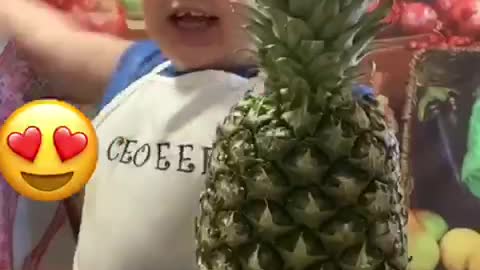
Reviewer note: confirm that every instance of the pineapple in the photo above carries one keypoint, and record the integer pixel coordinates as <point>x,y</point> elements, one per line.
<point>305,176</point>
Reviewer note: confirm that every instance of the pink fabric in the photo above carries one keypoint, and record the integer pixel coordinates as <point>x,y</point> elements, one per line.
<point>8,203</point>
<point>33,260</point>
<point>15,78</point>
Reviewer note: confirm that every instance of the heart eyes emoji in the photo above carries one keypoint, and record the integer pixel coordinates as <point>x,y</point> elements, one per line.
<point>27,144</point>
<point>67,144</point>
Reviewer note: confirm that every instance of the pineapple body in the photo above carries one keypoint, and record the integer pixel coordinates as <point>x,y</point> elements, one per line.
<point>306,176</point>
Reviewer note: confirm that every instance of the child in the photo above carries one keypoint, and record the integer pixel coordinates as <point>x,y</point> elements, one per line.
<point>154,133</point>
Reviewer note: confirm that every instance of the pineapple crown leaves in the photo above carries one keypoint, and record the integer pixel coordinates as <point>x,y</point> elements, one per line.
<point>310,51</point>
<point>321,39</point>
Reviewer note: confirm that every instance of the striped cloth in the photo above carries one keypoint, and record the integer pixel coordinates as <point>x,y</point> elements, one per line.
<point>15,77</point>
<point>28,230</point>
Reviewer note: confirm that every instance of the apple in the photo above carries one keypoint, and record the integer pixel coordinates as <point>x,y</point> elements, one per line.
<point>433,223</point>
<point>457,246</point>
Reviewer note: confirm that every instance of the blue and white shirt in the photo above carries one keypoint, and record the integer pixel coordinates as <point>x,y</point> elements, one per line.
<point>155,130</point>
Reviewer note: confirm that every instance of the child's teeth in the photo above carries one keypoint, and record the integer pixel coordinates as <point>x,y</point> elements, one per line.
<point>196,13</point>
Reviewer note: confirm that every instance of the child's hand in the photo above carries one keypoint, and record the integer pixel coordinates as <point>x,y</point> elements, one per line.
<point>6,12</point>
<point>16,16</point>
<point>77,63</point>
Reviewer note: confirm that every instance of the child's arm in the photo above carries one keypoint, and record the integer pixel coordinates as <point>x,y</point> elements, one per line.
<point>78,64</point>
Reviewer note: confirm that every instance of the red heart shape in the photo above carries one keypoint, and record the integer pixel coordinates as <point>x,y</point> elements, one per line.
<point>69,145</point>
<point>27,144</point>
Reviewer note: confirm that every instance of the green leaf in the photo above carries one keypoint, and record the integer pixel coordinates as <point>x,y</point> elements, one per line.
<point>288,67</point>
<point>258,15</point>
<point>320,99</point>
<point>278,4</point>
<point>301,8</point>
<point>262,111</point>
<point>354,55</point>
<point>346,19</point>
<point>277,51</point>
<point>296,92</point>
<point>345,40</point>
<point>334,71</point>
<point>323,60</point>
<point>346,3</point>
<point>374,18</point>
<point>297,30</point>
<point>310,49</point>
<point>317,18</point>
<point>280,20</point>
<point>333,83</point>
<point>431,95</point>
<point>329,12</point>
<point>261,33</point>
<point>302,121</point>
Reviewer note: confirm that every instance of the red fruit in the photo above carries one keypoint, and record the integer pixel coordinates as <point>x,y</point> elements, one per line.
<point>435,39</point>
<point>68,5</point>
<point>89,5</point>
<point>113,22</point>
<point>395,13</point>
<point>454,41</point>
<point>418,18</point>
<point>443,7</point>
<point>466,15</point>
<point>60,4</point>
<point>413,45</point>
<point>443,45</point>
<point>116,23</point>
<point>423,45</point>
<point>463,10</point>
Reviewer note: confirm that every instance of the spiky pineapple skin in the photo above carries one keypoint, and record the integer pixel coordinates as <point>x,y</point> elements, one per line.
<point>303,179</point>
<point>275,202</point>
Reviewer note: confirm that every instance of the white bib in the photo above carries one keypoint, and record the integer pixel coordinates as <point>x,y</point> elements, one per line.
<point>155,138</point>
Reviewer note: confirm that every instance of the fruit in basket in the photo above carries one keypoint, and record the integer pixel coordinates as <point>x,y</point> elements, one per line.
<point>418,18</point>
<point>134,9</point>
<point>466,16</point>
<point>434,224</point>
<point>305,176</point>
<point>474,261</point>
<point>422,246</point>
<point>458,246</point>
<point>443,8</point>
<point>424,252</point>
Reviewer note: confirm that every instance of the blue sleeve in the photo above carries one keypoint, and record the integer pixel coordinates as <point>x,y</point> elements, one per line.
<point>136,62</point>
<point>362,91</point>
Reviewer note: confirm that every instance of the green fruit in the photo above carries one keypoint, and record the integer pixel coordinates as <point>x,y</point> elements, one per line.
<point>134,9</point>
<point>424,250</point>
<point>434,224</point>
<point>305,177</point>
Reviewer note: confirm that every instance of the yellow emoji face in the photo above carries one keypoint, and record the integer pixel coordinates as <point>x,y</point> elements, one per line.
<point>48,150</point>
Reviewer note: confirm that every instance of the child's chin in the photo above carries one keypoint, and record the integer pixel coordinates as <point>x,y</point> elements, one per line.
<point>198,60</point>
<point>195,37</point>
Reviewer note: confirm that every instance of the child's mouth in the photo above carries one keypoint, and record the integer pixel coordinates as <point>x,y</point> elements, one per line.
<point>193,20</point>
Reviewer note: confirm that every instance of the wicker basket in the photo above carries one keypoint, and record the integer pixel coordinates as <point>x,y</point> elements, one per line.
<point>409,116</point>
